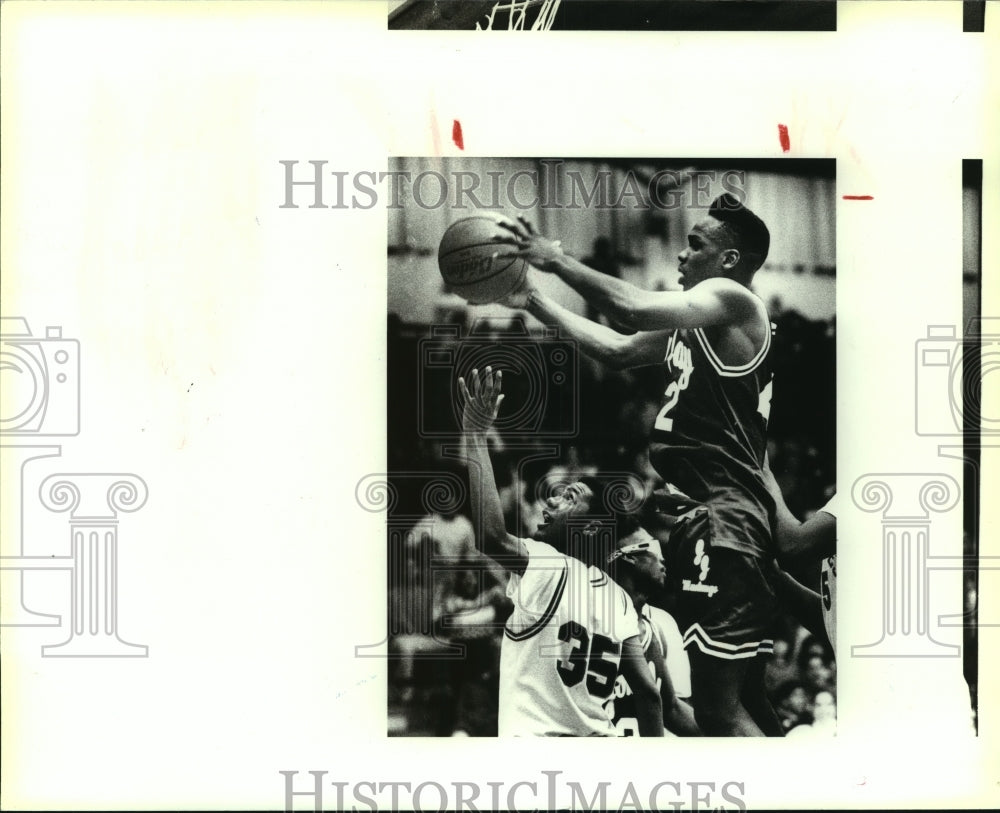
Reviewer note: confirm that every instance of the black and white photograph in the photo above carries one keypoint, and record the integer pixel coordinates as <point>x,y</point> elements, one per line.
<point>613,15</point>
<point>590,296</point>
<point>392,414</point>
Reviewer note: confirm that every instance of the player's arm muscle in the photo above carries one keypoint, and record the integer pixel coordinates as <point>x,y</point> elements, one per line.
<point>678,717</point>
<point>813,539</point>
<point>713,302</point>
<point>648,705</point>
<point>805,604</point>
<point>487,512</point>
<point>599,342</point>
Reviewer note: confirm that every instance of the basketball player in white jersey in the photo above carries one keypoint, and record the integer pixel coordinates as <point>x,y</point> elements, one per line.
<point>637,565</point>
<point>572,628</point>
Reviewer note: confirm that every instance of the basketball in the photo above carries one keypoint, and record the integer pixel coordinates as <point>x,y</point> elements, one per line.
<point>475,265</point>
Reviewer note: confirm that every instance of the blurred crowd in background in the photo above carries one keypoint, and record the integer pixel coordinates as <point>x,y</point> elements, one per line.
<point>447,604</point>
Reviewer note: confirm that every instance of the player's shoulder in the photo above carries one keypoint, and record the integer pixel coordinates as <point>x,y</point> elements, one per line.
<point>546,574</point>
<point>745,312</point>
<point>662,622</point>
<point>659,616</point>
<point>732,293</point>
<point>621,596</point>
<point>600,581</point>
<point>740,344</point>
<point>621,617</point>
<point>542,556</point>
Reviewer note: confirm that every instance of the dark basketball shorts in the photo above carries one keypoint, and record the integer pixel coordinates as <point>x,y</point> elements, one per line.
<point>722,599</point>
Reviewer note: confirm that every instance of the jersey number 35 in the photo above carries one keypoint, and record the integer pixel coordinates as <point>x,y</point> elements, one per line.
<point>595,658</point>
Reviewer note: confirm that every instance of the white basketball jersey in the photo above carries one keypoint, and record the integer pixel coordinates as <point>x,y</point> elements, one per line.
<point>678,665</point>
<point>828,583</point>
<point>562,647</point>
<point>658,634</point>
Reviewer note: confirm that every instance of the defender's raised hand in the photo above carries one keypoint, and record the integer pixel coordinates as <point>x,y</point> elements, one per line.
<point>480,400</point>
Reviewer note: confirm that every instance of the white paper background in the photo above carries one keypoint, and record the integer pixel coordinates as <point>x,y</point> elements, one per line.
<point>233,356</point>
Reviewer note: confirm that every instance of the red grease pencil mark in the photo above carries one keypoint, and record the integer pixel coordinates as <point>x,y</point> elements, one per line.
<point>858,197</point>
<point>786,145</point>
<point>456,134</point>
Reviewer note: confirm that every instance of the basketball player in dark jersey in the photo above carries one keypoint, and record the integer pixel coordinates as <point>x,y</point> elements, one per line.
<point>712,339</point>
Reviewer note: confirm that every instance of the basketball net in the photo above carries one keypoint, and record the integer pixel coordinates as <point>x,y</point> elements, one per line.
<point>516,12</point>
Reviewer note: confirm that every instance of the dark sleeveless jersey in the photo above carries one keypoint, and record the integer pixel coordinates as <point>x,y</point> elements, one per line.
<point>709,437</point>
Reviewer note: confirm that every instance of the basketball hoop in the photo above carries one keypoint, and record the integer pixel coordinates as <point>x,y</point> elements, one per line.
<point>517,15</point>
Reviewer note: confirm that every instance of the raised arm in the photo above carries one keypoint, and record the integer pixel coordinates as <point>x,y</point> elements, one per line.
<point>481,402</point>
<point>717,301</point>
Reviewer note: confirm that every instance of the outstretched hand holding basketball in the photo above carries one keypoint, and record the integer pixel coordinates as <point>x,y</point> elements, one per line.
<point>538,250</point>
<point>480,402</point>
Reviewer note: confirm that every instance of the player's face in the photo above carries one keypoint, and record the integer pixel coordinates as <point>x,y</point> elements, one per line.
<point>655,567</point>
<point>703,258</point>
<point>571,501</point>
<point>648,564</point>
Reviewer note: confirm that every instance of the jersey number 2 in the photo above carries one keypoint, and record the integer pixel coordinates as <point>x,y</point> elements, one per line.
<point>587,658</point>
<point>673,395</point>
